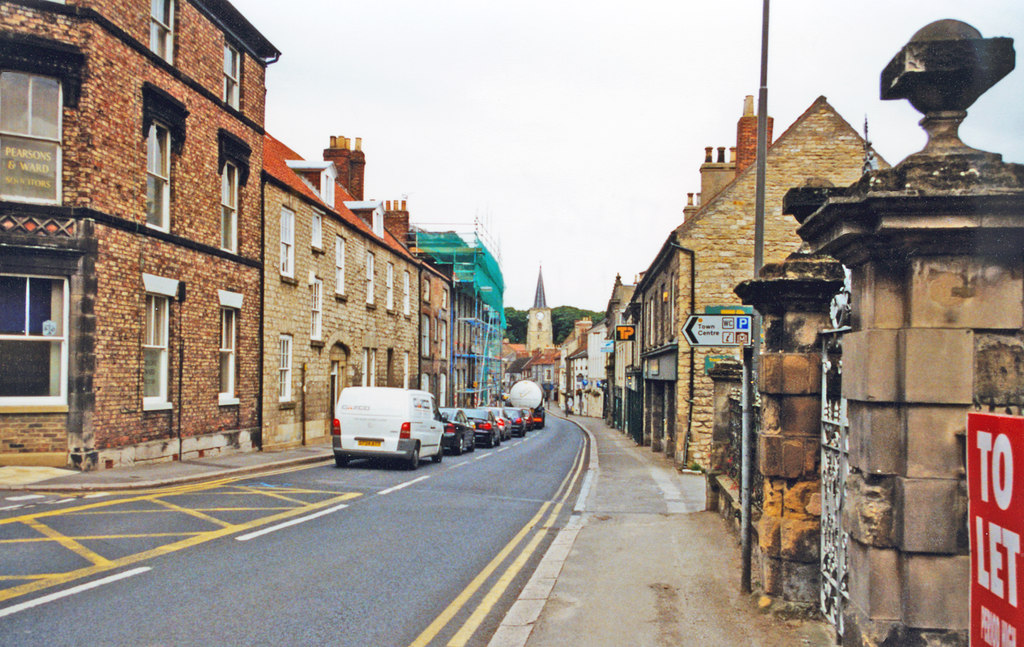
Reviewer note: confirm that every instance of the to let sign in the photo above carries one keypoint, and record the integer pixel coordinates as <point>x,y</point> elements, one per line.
<point>996,527</point>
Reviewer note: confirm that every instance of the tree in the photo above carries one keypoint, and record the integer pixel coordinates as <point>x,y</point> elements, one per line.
<point>563,319</point>
<point>515,322</point>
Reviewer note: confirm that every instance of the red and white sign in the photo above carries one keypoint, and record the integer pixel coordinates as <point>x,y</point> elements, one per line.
<point>996,528</point>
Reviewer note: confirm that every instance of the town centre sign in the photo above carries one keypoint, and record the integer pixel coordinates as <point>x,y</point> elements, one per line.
<point>718,330</point>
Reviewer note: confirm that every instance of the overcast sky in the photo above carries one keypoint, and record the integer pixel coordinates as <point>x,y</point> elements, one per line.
<point>575,129</point>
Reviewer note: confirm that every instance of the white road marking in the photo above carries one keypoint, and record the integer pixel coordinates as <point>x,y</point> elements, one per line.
<point>12,507</point>
<point>402,485</point>
<point>289,523</point>
<point>482,456</point>
<point>25,497</point>
<point>96,495</point>
<point>72,591</point>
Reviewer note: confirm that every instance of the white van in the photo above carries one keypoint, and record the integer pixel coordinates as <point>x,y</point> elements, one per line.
<point>383,422</point>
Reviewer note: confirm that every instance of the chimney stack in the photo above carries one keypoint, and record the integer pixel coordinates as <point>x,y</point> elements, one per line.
<point>351,163</point>
<point>396,220</point>
<point>746,135</point>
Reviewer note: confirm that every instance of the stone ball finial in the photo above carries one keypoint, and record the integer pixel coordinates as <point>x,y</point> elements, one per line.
<point>942,71</point>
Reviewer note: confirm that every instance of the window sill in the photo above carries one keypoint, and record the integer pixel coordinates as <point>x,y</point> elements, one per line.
<point>371,306</point>
<point>33,408</point>
<point>227,400</point>
<point>157,406</point>
<point>287,404</point>
<point>290,280</point>
<point>316,343</point>
<point>340,297</point>
<point>316,250</point>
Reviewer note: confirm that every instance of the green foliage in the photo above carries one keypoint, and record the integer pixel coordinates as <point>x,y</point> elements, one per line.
<point>562,320</point>
<point>515,320</point>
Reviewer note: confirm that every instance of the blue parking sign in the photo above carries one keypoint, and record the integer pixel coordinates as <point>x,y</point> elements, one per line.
<point>742,323</point>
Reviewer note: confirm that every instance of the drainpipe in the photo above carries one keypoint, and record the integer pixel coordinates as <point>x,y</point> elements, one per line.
<point>262,309</point>
<point>181,358</point>
<point>693,306</point>
<point>303,413</point>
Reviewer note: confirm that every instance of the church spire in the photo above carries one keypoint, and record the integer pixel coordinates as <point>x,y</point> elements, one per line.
<point>538,300</point>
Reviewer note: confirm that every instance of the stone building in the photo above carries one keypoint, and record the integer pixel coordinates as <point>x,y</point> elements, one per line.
<point>341,303</point>
<point>712,250</point>
<point>130,222</point>
<point>615,375</point>
<point>538,321</point>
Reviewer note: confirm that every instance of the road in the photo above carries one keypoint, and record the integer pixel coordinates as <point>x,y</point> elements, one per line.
<point>364,555</point>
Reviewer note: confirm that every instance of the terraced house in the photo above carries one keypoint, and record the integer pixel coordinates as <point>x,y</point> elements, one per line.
<point>340,292</point>
<point>131,138</point>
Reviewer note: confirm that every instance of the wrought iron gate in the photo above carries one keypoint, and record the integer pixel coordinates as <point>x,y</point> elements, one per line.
<point>835,448</point>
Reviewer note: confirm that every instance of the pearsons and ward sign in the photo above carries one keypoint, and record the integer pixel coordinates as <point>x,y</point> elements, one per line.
<point>28,169</point>
<point>996,526</point>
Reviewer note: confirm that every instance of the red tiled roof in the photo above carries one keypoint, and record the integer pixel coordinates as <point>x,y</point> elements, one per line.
<point>275,162</point>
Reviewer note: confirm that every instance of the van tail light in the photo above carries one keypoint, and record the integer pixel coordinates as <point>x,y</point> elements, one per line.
<point>449,428</point>
<point>406,431</point>
<point>336,428</point>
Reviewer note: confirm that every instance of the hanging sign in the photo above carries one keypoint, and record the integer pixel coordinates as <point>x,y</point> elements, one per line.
<point>996,526</point>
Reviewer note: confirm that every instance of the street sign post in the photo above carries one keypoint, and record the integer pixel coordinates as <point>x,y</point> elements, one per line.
<point>995,527</point>
<point>718,330</point>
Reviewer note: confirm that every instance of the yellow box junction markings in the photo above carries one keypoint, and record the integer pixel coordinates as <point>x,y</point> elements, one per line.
<point>99,564</point>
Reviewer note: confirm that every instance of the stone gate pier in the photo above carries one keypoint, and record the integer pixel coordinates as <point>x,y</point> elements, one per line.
<point>936,250</point>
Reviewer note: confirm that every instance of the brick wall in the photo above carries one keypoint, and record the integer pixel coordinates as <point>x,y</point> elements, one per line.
<point>104,164</point>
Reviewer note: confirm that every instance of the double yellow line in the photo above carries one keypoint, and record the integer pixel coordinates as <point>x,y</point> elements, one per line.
<point>551,509</point>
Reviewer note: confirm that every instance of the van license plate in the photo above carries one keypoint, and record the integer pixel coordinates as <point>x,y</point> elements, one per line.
<point>370,443</point>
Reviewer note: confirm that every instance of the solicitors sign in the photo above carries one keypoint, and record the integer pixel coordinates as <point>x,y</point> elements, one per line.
<point>996,493</point>
<point>28,168</point>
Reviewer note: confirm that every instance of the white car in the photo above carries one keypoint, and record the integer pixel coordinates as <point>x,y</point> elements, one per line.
<point>383,422</point>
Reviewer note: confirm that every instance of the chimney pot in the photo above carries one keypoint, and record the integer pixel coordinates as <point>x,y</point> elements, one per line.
<point>748,105</point>
<point>359,143</point>
<point>707,154</point>
<point>732,154</point>
<point>334,141</point>
<point>403,206</point>
<point>689,199</point>
<point>721,154</point>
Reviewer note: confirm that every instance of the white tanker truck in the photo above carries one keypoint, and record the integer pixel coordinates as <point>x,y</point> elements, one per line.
<point>526,393</point>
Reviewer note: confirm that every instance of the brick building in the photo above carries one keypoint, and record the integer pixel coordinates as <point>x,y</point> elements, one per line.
<point>130,223</point>
<point>340,303</point>
<point>704,259</point>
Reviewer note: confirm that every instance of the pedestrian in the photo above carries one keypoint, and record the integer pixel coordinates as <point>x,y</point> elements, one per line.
<point>568,406</point>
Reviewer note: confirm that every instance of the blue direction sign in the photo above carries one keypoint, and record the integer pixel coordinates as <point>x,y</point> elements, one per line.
<point>717,330</point>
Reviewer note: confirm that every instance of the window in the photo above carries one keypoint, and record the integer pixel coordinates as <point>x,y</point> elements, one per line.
<point>405,293</point>
<point>444,298</point>
<point>284,369</point>
<point>424,382</point>
<point>391,286</point>
<point>229,207</point>
<point>287,242</point>
<point>232,74</point>
<point>158,177</point>
<point>317,236</point>
<point>161,29</point>
<point>378,221</point>
<point>405,370</point>
<point>154,352</point>
<point>33,340</point>
<point>426,289</point>
<point>370,284</point>
<point>317,309</point>
<point>425,335</point>
<point>369,367</point>
<point>228,345</point>
<point>339,265</point>
<point>443,331</point>
<point>442,389</point>
<point>30,135</point>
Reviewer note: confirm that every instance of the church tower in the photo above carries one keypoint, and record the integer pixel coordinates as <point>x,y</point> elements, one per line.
<point>538,326</point>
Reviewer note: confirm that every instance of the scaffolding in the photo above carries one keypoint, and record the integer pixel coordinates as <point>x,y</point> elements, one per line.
<point>479,289</point>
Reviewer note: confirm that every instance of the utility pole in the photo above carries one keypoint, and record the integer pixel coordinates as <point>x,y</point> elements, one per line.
<point>752,360</point>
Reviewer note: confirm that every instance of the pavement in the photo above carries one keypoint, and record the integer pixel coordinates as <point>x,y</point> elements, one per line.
<point>639,563</point>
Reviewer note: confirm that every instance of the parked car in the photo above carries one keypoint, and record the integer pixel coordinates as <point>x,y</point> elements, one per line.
<point>384,422</point>
<point>459,432</point>
<point>527,418</point>
<point>504,421</point>
<point>485,425</point>
<point>517,421</point>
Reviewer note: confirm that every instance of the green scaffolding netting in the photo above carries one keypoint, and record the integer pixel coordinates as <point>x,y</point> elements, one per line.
<point>472,264</point>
